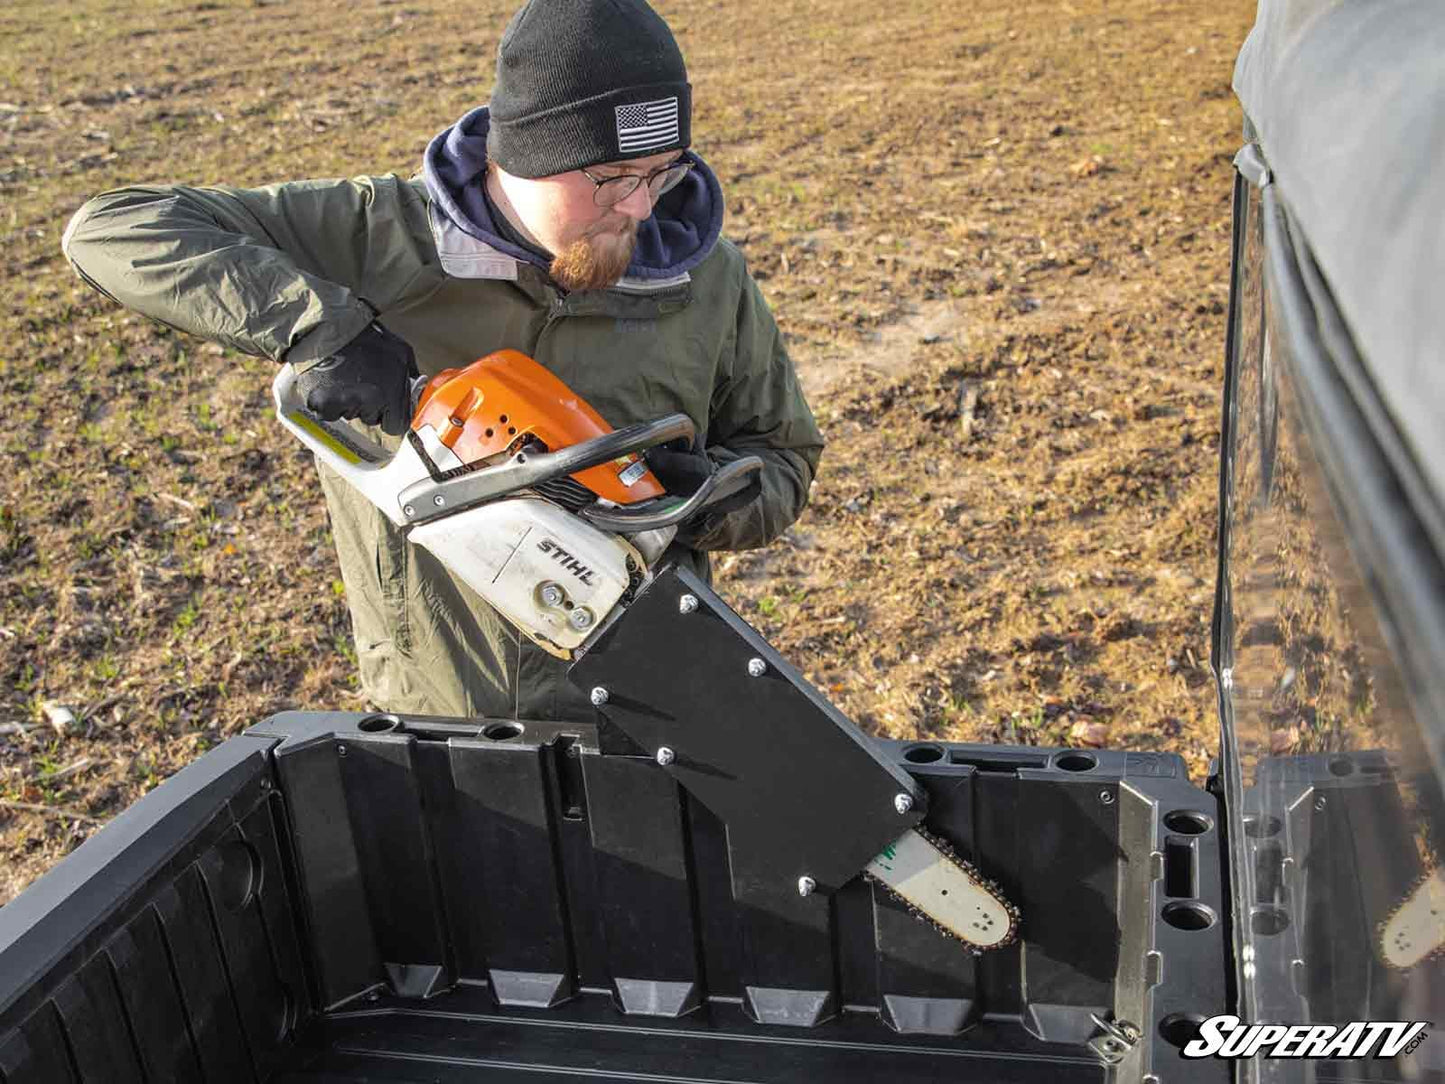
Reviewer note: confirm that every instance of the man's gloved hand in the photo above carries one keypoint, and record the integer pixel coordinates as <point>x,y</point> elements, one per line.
<point>681,467</point>
<point>368,379</point>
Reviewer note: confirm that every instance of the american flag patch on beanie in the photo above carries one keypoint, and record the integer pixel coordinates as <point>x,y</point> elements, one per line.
<point>646,126</point>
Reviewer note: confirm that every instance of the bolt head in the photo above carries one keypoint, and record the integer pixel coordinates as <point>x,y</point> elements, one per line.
<point>439,501</point>
<point>1106,797</point>
<point>409,511</point>
<point>687,604</point>
<point>757,668</point>
<point>665,756</point>
<point>806,885</point>
<point>580,618</point>
<point>599,696</point>
<point>341,750</point>
<point>903,802</point>
<point>551,595</point>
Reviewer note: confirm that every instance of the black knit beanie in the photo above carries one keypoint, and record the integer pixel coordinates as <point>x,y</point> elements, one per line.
<point>582,82</point>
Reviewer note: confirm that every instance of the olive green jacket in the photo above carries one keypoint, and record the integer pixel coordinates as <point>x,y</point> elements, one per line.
<point>294,271</point>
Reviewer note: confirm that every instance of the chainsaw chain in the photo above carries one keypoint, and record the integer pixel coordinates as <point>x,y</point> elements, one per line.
<point>989,886</point>
<point>635,577</point>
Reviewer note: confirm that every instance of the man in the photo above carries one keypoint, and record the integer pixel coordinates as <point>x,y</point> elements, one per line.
<point>568,221</point>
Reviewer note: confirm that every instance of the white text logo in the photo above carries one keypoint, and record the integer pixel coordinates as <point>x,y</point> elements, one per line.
<point>1227,1037</point>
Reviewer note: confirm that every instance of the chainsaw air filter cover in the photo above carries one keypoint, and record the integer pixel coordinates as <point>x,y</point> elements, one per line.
<point>505,399</point>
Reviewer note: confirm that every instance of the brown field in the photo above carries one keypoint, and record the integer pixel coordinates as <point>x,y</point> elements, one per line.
<point>997,237</point>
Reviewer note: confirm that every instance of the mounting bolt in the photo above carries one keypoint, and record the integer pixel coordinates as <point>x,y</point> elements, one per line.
<point>687,604</point>
<point>806,885</point>
<point>1320,803</point>
<point>757,668</point>
<point>552,595</point>
<point>599,696</point>
<point>903,802</point>
<point>1106,797</point>
<point>341,750</point>
<point>580,618</point>
<point>439,501</point>
<point>409,511</point>
<point>665,756</point>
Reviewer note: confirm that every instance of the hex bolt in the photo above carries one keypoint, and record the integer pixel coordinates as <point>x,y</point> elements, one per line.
<point>903,802</point>
<point>806,885</point>
<point>409,510</point>
<point>1106,797</point>
<point>665,756</point>
<point>439,501</point>
<point>552,595</point>
<point>757,668</point>
<point>599,696</point>
<point>687,604</point>
<point>580,618</point>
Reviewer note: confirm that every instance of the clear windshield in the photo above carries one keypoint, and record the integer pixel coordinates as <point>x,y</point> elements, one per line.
<point>1335,813</point>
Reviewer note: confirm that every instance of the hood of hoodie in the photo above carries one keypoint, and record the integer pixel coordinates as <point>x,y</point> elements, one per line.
<point>684,226</point>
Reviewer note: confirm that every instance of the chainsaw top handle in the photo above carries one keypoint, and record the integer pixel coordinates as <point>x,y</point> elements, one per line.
<point>429,499</point>
<point>416,497</point>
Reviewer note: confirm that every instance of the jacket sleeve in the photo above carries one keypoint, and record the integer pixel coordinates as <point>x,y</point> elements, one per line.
<point>269,271</point>
<point>760,410</point>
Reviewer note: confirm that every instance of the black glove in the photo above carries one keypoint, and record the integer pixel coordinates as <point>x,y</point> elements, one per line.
<point>681,468</point>
<point>368,379</point>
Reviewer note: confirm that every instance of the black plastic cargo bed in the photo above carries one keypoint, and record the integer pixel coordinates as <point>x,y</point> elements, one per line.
<point>358,898</point>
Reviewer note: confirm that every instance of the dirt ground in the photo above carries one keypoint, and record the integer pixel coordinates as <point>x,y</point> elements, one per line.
<point>996,236</point>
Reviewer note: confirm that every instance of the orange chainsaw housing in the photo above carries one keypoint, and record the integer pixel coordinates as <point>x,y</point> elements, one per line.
<point>485,408</point>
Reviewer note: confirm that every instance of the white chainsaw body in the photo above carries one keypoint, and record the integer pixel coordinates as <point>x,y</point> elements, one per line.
<point>510,552</point>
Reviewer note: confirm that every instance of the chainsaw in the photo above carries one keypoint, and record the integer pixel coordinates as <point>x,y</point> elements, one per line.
<point>532,499</point>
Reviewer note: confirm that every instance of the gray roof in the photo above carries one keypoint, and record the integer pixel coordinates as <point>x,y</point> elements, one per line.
<point>1348,100</point>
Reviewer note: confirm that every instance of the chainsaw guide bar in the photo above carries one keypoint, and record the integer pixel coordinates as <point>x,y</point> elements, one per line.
<point>1415,930</point>
<point>945,891</point>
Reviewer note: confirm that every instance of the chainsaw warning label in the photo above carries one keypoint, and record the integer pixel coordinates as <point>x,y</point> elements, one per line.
<point>632,474</point>
<point>1228,1037</point>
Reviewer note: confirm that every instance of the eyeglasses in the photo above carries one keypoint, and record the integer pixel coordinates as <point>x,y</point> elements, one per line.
<point>610,191</point>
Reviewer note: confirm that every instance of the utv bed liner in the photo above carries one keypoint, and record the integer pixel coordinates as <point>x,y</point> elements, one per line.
<point>335,897</point>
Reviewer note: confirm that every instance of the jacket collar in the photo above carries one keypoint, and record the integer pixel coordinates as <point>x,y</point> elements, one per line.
<point>465,256</point>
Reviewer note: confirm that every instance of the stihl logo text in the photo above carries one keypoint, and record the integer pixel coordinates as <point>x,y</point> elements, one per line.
<point>567,561</point>
<point>1227,1037</point>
